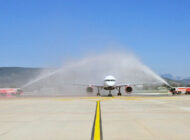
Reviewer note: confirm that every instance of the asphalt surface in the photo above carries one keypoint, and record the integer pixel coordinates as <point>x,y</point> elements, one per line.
<point>72,118</point>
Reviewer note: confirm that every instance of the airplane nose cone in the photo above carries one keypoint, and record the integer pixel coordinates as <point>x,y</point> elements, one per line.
<point>110,83</point>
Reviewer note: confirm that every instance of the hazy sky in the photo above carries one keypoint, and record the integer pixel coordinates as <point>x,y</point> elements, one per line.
<point>43,33</point>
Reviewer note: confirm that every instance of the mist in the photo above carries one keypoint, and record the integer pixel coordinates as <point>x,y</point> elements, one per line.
<point>75,75</point>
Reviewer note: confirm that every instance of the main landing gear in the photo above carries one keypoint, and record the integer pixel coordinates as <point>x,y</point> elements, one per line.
<point>119,93</point>
<point>98,94</point>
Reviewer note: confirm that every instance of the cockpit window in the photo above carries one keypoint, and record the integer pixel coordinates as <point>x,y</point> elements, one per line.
<point>109,80</point>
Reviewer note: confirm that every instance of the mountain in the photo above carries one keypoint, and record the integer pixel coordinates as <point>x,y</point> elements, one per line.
<point>176,80</point>
<point>171,77</point>
<point>186,81</point>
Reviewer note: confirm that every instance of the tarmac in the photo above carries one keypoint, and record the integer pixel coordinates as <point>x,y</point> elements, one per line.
<point>136,117</point>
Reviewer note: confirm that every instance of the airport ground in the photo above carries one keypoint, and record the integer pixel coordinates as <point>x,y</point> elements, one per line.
<point>135,117</point>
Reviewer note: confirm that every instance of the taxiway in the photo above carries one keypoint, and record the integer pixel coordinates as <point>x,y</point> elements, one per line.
<point>72,118</point>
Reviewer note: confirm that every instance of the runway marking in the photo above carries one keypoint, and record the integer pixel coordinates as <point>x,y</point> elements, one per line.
<point>97,98</point>
<point>126,98</point>
<point>145,98</point>
<point>97,126</point>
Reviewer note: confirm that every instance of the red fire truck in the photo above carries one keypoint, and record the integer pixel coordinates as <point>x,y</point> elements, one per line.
<point>180,90</point>
<point>10,92</point>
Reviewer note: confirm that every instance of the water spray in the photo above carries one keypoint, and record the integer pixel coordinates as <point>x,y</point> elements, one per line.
<point>92,69</point>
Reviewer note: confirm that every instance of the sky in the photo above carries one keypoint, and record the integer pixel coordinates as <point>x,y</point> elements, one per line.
<point>45,33</point>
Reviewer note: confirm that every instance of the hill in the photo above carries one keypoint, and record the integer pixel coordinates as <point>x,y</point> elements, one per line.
<point>176,80</point>
<point>17,76</point>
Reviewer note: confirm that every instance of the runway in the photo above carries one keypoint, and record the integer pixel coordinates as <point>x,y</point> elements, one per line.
<point>73,118</point>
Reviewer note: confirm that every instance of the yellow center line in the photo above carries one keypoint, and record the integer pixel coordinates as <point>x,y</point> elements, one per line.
<point>97,123</point>
<point>97,129</point>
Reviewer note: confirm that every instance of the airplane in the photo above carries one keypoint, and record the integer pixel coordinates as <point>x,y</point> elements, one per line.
<point>109,84</point>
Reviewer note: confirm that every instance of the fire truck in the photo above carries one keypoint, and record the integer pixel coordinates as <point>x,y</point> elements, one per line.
<point>10,92</point>
<point>180,90</point>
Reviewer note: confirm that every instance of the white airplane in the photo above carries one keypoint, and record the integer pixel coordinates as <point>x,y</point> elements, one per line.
<point>109,84</point>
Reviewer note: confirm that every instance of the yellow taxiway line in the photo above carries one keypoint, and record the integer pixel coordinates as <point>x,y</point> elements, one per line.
<point>97,127</point>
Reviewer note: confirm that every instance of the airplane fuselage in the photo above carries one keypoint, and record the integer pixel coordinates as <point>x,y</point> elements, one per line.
<point>109,82</point>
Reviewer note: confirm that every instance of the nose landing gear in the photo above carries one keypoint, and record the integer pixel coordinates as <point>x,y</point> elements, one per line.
<point>110,95</point>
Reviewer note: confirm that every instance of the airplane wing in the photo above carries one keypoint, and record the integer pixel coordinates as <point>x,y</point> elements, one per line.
<point>91,85</point>
<point>138,84</point>
<point>122,85</point>
<point>96,85</point>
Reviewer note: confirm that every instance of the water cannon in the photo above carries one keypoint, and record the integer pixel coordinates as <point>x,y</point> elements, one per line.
<point>172,89</point>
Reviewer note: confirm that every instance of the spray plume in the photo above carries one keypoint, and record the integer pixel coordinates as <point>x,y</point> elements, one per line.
<point>92,69</point>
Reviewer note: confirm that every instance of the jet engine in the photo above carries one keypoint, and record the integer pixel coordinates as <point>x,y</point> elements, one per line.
<point>128,89</point>
<point>89,89</point>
